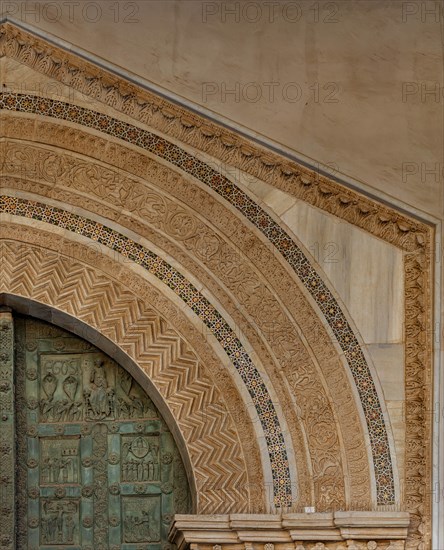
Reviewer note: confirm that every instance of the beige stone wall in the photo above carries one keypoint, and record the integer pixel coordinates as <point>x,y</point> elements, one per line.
<point>348,61</point>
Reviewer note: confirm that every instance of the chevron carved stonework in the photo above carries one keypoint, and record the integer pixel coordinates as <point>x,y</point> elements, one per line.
<point>74,174</point>
<point>199,408</point>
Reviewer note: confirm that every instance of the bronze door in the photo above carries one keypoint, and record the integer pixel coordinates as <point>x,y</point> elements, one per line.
<point>97,467</point>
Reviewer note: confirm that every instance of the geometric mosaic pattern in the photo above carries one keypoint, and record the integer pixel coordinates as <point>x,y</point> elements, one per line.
<point>198,303</point>
<point>333,314</point>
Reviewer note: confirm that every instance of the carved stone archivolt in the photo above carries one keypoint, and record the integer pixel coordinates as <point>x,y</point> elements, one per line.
<point>277,236</point>
<point>154,209</point>
<point>157,210</point>
<point>410,235</point>
<point>332,479</point>
<point>318,425</point>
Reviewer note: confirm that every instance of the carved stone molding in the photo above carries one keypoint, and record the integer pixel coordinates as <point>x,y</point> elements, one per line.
<point>320,292</point>
<point>356,530</point>
<point>216,140</point>
<point>75,173</point>
<point>380,220</point>
<point>418,394</point>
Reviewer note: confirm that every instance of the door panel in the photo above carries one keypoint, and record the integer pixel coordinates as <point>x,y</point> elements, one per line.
<point>97,467</point>
<point>7,432</point>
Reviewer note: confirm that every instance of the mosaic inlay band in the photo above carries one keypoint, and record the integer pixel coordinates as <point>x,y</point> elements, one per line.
<point>197,302</point>
<point>325,300</point>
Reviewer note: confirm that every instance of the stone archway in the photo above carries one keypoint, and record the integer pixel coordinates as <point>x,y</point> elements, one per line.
<point>357,470</point>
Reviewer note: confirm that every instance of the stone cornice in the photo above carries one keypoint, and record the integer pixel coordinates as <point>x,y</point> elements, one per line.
<point>317,528</point>
<point>224,144</point>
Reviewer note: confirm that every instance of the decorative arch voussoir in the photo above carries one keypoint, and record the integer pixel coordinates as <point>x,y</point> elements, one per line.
<point>78,176</point>
<point>388,223</point>
<point>277,236</point>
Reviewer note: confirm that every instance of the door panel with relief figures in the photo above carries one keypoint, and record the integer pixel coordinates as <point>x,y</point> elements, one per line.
<point>96,465</point>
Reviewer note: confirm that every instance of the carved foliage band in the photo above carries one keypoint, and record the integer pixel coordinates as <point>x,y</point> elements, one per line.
<point>158,210</point>
<point>229,147</point>
<point>198,303</point>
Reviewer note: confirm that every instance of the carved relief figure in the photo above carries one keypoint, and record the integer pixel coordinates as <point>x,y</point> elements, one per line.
<point>59,522</point>
<point>141,520</point>
<point>108,392</point>
<point>60,383</point>
<point>140,461</point>
<point>59,462</point>
<point>83,480</point>
<point>99,397</point>
<point>130,401</point>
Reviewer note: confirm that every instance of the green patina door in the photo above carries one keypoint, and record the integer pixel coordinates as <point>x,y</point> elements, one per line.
<point>94,464</point>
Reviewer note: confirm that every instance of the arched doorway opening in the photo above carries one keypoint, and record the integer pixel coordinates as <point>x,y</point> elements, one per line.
<point>91,461</point>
